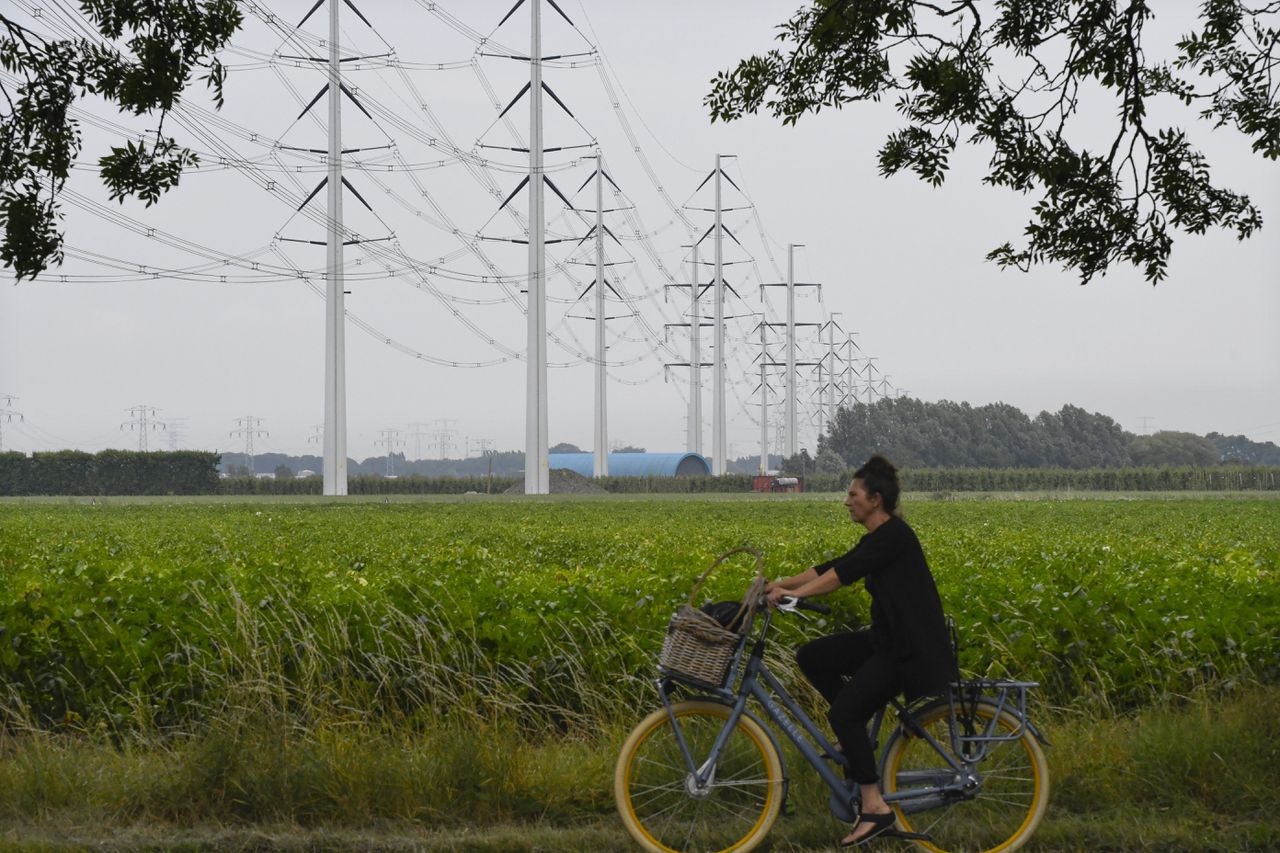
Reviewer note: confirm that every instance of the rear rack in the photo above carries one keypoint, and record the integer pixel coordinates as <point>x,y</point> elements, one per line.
<point>1005,695</point>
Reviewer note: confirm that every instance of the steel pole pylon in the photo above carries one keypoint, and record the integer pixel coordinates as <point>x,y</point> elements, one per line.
<point>695,361</point>
<point>790,437</point>
<point>601,467</point>
<point>764,400</point>
<point>718,432</point>
<point>537,479</point>
<point>335,371</point>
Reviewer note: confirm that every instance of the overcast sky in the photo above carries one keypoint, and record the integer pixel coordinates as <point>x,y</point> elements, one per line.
<point>901,262</point>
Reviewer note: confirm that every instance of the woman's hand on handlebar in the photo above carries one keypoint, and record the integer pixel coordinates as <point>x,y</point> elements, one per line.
<point>774,593</point>
<point>790,601</point>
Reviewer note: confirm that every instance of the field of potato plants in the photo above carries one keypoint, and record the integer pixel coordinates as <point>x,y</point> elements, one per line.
<point>153,616</point>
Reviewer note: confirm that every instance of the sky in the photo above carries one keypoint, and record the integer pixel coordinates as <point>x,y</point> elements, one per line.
<point>901,263</point>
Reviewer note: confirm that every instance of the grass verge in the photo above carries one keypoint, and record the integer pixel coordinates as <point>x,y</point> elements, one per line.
<point>1197,776</point>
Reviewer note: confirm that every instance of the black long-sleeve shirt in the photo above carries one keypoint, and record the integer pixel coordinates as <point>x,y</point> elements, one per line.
<point>907,622</point>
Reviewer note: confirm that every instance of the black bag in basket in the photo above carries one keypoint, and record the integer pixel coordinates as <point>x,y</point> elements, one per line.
<point>730,614</point>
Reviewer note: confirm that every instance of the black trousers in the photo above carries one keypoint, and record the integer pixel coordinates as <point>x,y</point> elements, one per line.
<point>872,680</point>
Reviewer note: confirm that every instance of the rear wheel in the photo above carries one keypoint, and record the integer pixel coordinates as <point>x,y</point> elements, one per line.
<point>659,801</point>
<point>1007,787</point>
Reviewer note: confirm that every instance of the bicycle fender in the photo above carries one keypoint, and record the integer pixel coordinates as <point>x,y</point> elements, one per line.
<point>1031,727</point>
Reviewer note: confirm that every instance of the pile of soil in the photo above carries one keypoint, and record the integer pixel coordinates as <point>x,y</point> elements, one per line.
<point>563,482</point>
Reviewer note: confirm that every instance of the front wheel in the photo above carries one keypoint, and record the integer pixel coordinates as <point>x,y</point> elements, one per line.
<point>1004,795</point>
<point>662,806</point>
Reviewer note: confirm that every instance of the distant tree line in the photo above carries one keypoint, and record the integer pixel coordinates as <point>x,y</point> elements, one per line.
<point>1238,450</point>
<point>416,485</point>
<point>942,446</point>
<point>916,434</point>
<point>111,472</point>
<point>927,480</point>
<point>364,484</point>
<point>941,481</point>
<point>505,463</point>
<point>117,472</point>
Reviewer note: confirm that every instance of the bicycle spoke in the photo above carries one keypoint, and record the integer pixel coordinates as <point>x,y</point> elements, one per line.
<point>1020,804</point>
<point>660,764</point>
<point>674,785</point>
<point>683,801</point>
<point>740,785</point>
<point>929,830</point>
<point>1009,776</point>
<point>655,794</point>
<point>736,775</point>
<point>724,807</point>
<point>688,837</point>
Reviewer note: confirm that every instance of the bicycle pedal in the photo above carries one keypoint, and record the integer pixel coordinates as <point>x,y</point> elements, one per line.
<point>903,835</point>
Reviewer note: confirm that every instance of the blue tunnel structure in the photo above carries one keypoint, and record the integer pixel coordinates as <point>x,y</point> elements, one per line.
<point>635,464</point>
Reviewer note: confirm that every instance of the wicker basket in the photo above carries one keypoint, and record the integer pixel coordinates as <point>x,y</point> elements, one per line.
<point>699,649</point>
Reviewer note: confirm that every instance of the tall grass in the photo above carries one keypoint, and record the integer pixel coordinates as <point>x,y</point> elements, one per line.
<point>1154,780</point>
<point>300,721</point>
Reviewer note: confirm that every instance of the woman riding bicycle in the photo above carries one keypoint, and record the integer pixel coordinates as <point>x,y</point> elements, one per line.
<point>906,650</point>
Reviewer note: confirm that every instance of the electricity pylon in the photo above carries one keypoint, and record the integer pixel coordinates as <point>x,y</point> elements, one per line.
<point>335,357</point>
<point>176,431</point>
<point>869,369</point>
<point>418,431</point>
<point>143,422</point>
<point>390,438</point>
<point>537,475</point>
<point>7,414</point>
<point>827,388</point>
<point>764,389</point>
<point>848,393</point>
<point>789,385</point>
<point>695,363</point>
<point>719,434</point>
<point>444,436</point>
<point>249,430</point>
<point>600,447</point>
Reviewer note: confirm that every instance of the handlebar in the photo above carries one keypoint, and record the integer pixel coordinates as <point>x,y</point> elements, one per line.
<point>790,604</point>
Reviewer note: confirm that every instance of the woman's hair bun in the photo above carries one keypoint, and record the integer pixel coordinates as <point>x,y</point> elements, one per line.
<point>880,465</point>
<point>880,477</point>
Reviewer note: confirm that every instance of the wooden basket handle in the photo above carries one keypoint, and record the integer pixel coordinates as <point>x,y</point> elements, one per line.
<point>753,590</point>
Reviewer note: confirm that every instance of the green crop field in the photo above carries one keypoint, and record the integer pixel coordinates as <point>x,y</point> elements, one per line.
<point>1103,602</point>
<point>155,629</point>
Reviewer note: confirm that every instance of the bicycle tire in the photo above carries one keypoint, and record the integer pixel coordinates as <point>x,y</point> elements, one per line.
<point>1004,811</point>
<point>657,804</point>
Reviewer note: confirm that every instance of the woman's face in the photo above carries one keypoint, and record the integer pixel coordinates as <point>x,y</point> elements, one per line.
<point>860,504</point>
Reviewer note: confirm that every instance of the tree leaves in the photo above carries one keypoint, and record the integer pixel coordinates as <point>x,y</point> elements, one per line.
<point>1013,85</point>
<point>163,42</point>
<point>918,434</point>
<point>135,170</point>
<point>31,236</point>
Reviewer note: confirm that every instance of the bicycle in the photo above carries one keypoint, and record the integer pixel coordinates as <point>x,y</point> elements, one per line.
<point>963,772</point>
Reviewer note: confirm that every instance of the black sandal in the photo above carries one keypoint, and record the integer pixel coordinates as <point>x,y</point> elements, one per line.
<point>880,824</point>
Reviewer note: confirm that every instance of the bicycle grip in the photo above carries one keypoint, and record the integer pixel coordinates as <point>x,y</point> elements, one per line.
<point>806,604</point>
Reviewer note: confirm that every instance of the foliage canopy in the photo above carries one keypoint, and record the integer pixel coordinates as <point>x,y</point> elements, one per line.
<point>1009,75</point>
<point>139,54</point>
